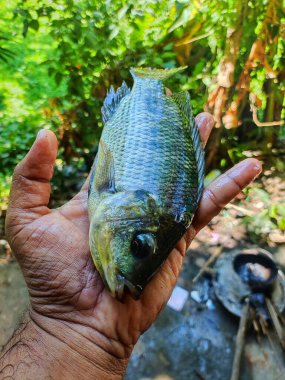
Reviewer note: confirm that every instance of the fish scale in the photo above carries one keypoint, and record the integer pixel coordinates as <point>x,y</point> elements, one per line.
<point>151,147</point>
<point>146,181</point>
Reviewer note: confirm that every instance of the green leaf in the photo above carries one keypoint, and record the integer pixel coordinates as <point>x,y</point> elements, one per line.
<point>182,19</point>
<point>34,24</point>
<point>58,77</point>
<point>114,33</point>
<point>281,224</point>
<point>25,27</point>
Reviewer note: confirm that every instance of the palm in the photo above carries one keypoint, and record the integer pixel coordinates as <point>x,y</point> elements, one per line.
<point>65,280</point>
<point>53,251</point>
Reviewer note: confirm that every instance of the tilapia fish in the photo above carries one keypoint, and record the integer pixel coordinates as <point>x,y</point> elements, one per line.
<point>146,180</point>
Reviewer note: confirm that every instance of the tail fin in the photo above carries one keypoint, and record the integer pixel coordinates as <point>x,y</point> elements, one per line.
<point>159,74</point>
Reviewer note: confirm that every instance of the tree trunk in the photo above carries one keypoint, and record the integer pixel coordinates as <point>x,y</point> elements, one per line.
<point>225,79</point>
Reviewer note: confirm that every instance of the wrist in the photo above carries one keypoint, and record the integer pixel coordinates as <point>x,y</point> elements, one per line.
<point>93,355</point>
<point>44,347</point>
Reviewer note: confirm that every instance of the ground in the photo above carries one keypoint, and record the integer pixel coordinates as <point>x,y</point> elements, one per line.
<point>13,299</point>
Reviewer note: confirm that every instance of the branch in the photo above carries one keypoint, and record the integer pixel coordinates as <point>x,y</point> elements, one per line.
<point>253,109</point>
<point>189,41</point>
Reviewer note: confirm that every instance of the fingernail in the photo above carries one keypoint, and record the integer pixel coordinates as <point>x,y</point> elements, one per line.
<point>258,168</point>
<point>209,125</point>
<point>205,118</point>
<point>41,133</point>
<point>200,118</point>
<point>246,165</point>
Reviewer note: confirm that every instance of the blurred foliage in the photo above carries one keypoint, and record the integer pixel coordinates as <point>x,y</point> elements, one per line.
<point>4,190</point>
<point>269,218</point>
<point>58,58</point>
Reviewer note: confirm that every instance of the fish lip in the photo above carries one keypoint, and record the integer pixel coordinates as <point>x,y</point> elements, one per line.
<point>120,287</point>
<point>125,286</point>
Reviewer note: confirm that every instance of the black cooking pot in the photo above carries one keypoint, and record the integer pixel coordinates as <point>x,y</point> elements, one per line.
<point>243,265</point>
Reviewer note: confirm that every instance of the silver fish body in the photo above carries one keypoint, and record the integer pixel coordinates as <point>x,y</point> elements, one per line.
<point>146,181</point>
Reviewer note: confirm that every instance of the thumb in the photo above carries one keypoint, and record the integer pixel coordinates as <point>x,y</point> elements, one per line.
<point>30,190</point>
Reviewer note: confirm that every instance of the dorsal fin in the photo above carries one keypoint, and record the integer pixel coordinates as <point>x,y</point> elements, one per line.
<point>157,74</point>
<point>183,101</point>
<point>112,100</point>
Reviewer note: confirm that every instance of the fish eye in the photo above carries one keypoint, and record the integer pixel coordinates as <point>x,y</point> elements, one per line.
<point>143,245</point>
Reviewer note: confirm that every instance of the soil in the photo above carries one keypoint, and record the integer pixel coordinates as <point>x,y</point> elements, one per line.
<point>13,299</point>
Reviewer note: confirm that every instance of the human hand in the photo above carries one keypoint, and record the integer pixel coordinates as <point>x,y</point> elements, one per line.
<point>68,300</point>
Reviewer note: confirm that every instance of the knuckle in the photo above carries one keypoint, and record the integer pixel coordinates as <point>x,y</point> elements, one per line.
<point>235,182</point>
<point>209,193</point>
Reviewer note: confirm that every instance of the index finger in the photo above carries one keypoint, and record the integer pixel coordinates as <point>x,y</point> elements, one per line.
<point>205,123</point>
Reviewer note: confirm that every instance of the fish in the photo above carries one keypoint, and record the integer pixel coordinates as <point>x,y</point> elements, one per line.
<point>146,181</point>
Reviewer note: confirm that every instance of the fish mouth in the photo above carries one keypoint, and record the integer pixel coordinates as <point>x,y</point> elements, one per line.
<point>118,285</point>
<point>124,286</point>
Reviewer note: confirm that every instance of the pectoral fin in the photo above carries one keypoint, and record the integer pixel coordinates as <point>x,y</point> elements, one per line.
<point>104,178</point>
<point>92,174</point>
